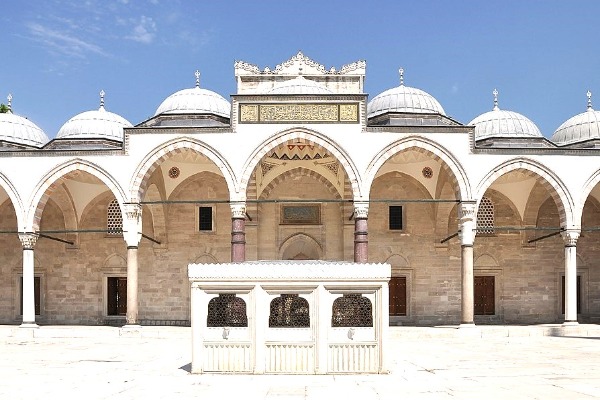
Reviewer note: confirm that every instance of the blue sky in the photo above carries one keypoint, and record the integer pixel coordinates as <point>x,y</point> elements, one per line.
<point>542,56</point>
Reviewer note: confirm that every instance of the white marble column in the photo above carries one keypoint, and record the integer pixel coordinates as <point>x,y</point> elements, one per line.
<point>132,233</point>
<point>570,237</point>
<point>28,241</point>
<point>467,237</point>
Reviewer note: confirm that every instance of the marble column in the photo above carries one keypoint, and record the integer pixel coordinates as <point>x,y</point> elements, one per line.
<point>467,237</point>
<point>570,237</point>
<point>238,232</point>
<point>28,241</point>
<point>361,241</point>
<point>132,233</point>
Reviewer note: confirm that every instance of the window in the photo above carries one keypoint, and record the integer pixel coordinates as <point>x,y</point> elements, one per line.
<point>205,219</point>
<point>578,294</point>
<point>395,218</point>
<point>114,218</point>
<point>397,289</point>
<point>484,295</point>
<point>116,296</point>
<point>289,311</point>
<point>36,295</point>
<point>485,217</point>
<point>352,310</point>
<point>227,310</point>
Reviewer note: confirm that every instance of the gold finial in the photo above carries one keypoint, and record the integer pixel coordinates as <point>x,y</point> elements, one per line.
<point>102,98</point>
<point>197,73</point>
<point>9,105</point>
<point>401,72</point>
<point>589,96</point>
<point>495,93</point>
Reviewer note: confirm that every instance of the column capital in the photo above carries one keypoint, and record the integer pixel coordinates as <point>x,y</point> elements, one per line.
<point>361,209</point>
<point>133,211</point>
<point>467,217</point>
<point>28,240</point>
<point>467,211</point>
<point>570,237</point>
<point>132,224</point>
<point>238,210</point>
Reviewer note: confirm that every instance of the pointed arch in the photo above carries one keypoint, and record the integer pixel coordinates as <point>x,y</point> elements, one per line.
<point>586,190</point>
<point>300,243</point>
<point>310,136</point>
<point>452,166</point>
<point>550,181</point>
<point>44,189</point>
<point>149,164</point>
<point>14,197</point>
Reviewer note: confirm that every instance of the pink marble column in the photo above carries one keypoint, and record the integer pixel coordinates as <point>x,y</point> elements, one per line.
<point>467,237</point>
<point>361,232</point>
<point>238,232</point>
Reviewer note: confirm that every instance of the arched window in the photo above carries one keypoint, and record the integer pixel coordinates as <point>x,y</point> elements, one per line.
<point>114,218</point>
<point>289,311</point>
<point>227,310</point>
<point>485,217</point>
<point>351,310</point>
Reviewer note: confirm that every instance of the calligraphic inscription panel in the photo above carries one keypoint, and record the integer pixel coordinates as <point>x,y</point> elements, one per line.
<point>301,214</point>
<point>303,112</point>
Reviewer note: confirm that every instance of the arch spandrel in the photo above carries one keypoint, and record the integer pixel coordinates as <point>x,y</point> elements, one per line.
<point>43,189</point>
<point>449,162</point>
<point>549,180</point>
<point>310,136</point>
<point>154,158</point>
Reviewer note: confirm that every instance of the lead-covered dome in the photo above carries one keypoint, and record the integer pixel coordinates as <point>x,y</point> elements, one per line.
<point>195,101</point>
<point>503,123</point>
<point>20,130</point>
<point>299,85</point>
<point>582,127</point>
<point>95,124</point>
<point>404,99</point>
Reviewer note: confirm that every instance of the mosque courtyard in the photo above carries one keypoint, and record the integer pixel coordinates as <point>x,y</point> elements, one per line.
<point>491,362</point>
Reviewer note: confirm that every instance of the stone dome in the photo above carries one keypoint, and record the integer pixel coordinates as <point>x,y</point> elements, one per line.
<point>579,128</point>
<point>17,129</point>
<point>195,101</point>
<point>503,123</point>
<point>95,124</point>
<point>299,85</point>
<point>404,99</point>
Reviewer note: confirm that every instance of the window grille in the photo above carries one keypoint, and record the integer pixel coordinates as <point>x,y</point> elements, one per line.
<point>352,310</point>
<point>114,218</point>
<point>485,217</point>
<point>289,311</point>
<point>395,218</point>
<point>227,310</point>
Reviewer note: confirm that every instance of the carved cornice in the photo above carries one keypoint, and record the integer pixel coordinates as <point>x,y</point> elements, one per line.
<point>301,59</point>
<point>28,240</point>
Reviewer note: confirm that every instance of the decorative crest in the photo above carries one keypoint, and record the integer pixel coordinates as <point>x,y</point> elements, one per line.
<point>102,99</point>
<point>495,93</point>
<point>197,73</point>
<point>589,96</point>
<point>9,105</point>
<point>401,72</point>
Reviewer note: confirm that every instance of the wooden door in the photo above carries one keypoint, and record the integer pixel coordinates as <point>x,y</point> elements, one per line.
<point>397,289</point>
<point>117,296</point>
<point>485,295</point>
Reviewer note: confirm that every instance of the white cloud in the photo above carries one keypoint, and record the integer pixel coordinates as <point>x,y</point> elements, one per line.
<point>144,31</point>
<point>63,42</point>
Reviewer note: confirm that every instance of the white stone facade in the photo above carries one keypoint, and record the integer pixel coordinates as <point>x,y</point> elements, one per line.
<point>311,151</point>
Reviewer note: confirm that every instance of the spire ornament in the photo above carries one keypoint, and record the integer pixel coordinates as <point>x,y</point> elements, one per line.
<point>197,74</point>
<point>495,93</point>
<point>401,72</point>
<point>589,101</point>
<point>102,99</point>
<point>9,105</point>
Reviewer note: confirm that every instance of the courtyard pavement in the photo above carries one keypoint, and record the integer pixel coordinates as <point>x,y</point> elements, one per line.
<point>487,362</point>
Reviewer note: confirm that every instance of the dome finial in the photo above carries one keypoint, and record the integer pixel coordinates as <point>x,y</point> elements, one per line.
<point>102,99</point>
<point>197,73</point>
<point>589,96</point>
<point>495,93</point>
<point>9,105</point>
<point>401,72</point>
